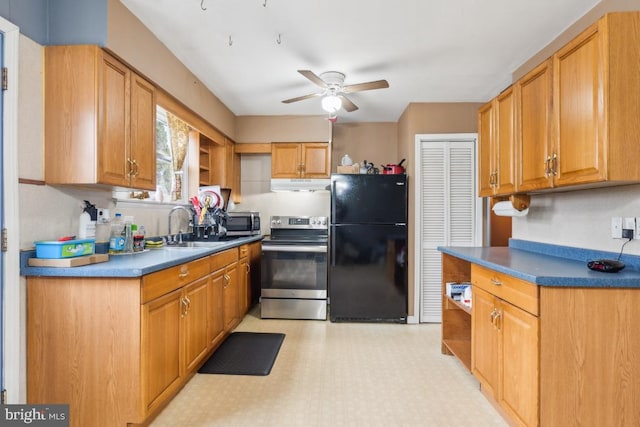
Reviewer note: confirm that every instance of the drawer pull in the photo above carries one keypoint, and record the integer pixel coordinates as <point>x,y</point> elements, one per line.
<point>496,282</point>
<point>183,274</point>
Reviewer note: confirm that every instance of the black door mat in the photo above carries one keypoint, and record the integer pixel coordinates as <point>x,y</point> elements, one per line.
<point>244,353</point>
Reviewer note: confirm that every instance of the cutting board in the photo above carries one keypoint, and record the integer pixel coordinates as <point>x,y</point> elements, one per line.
<point>68,262</point>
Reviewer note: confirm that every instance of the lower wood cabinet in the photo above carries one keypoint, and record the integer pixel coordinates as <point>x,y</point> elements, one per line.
<point>504,342</point>
<point>547,355</point>
<point>118,349</point>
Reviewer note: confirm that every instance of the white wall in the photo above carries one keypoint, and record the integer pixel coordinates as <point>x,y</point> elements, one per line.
<point>257,196</point>
<point>580,218</point>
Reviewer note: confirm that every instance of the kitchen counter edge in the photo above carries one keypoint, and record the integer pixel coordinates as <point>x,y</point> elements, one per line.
<point>134,265</point>
<point>549,265</point>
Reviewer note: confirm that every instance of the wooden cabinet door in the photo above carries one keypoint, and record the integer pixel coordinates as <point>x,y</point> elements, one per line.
<point>485,142</point>
<point>113,122</point>
<point>230,291</point>
<point>143,134</point>
<point>285,160</point>
<point>534,116</point>
<point>579,110</point>
<point>504,144</point>
<point>161,342</point>
<point>215,304</point>
<point>255,261</point>
<point>485,339</point>
<point>195,318</point>
<point>315,160</point>
<point>244,293</point>
<point>520,364</point>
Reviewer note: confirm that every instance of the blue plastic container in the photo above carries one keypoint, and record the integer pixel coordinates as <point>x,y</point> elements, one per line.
<point>67,249</point>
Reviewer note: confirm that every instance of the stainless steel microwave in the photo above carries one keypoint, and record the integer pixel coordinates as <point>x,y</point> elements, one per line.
<point>243,223</point>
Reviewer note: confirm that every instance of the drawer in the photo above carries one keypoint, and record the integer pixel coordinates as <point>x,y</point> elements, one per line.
<point>518,292</point>
<point>222,259</point>
<point>244,251</point>
<point>164,281</point>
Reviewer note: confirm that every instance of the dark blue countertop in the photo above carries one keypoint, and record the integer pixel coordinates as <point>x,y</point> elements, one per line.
<point>550,265</point>
<point>133,265</point>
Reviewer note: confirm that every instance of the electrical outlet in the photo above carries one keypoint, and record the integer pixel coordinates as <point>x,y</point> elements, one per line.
<point>616,227</point>
<point>628,227</point>
<point>629,223</point>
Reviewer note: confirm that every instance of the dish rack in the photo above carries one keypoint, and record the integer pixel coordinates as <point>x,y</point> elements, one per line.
<point>207,226</point>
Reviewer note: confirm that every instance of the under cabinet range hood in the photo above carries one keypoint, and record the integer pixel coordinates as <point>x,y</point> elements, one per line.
<point>300,184</point>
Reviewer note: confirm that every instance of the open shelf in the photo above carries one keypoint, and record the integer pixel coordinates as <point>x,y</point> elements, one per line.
<point>460,349</point>
<point>458,304</point>
<point>456,317</point>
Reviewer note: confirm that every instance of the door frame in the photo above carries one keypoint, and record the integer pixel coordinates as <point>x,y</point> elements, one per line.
<point>13,368</point>
<point>417,246</point>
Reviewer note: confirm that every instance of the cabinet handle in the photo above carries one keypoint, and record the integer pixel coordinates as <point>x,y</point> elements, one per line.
<point>554,165</point>
<point>135,170</point>
<point>227,280</point>
<point>496,282</point>
<point>130,167</point>
<point>492,317</point>
<point>183,303</point>
<point>497,320</point>
<point>188,304</point>
<point>248,267</point>
<point>547,167</point>
<point>183,274</point>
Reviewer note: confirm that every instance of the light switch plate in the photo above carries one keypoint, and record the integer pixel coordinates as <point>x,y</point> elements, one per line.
<point>616,227</point>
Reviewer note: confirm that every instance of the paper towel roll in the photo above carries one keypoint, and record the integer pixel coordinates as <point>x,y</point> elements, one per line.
<point>506,209</point>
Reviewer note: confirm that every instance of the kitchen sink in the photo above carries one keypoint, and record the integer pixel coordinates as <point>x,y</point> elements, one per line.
<point>195,245</point>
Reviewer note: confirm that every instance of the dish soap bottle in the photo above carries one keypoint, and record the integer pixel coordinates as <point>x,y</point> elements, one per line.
<point>87,222</point>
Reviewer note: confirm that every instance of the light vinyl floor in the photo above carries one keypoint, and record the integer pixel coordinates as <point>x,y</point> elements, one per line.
<point>339,374</point>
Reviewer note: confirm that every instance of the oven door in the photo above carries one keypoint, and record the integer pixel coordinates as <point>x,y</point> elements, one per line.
<point>294,271</point>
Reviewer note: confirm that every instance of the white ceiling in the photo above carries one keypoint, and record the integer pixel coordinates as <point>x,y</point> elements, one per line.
<point>247,52</point>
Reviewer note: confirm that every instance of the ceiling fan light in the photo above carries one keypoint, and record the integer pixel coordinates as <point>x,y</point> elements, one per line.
<point>331,103</point>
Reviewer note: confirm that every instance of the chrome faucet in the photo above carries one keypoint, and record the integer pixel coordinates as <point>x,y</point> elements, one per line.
<point>180,230</point>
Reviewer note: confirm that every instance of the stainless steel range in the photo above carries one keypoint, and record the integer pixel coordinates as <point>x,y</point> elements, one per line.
<point>294,268</point>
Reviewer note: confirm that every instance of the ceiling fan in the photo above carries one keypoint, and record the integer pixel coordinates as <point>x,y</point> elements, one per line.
<point>332,83</point>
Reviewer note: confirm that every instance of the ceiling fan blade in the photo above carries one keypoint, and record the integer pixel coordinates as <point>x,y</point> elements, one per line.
<point>300,98</point>
<point>358,87</point>
<point>347,104</point>
<point>313,77</point>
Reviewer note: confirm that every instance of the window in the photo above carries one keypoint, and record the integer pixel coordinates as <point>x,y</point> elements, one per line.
<point>169,182</point>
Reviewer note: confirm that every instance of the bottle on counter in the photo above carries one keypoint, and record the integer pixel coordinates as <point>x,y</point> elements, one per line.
<point>117,238</point>
<point>128,235</point>
<point>138,237</point>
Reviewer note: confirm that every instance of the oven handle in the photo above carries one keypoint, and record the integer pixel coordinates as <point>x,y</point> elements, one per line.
<point>294,248</point>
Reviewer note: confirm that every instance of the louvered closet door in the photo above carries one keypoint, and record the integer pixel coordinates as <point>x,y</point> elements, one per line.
<point>448,213</point>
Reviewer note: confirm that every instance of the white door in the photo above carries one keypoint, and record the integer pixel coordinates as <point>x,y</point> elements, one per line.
<point>448,211</point>
<point>10,345</point>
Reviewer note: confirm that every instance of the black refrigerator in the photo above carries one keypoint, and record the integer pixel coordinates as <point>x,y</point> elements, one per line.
<point>368,248</point>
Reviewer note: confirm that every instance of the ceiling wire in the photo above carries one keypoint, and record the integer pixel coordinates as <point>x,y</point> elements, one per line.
<point>279,39</point>
<point>202,5</point>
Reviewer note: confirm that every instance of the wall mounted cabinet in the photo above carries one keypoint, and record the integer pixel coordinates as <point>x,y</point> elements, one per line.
<point>99,120</point>
<point>496,133</point>
<point>220,164</point>
<point>534,118</point>
<point>579,110</point>
<point>300,160</point>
